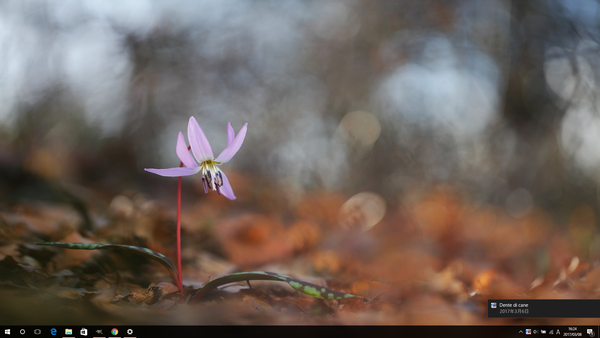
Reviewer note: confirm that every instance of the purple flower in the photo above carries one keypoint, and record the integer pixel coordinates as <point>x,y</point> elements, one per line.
<point>212,177</point>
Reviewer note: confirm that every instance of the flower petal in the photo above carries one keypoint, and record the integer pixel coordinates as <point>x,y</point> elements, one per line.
<point>230,134</point>
<point>174,172</point>
<point>200,146</point>
<point>233,148</point>
<point>183,153</point>
<point>226,188</point>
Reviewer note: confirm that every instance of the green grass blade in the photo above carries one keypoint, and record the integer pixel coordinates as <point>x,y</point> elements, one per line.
<point>302,286</point>
<point>157,256</point>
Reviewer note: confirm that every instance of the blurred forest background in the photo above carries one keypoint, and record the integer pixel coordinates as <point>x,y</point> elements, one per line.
<point>454,143</point>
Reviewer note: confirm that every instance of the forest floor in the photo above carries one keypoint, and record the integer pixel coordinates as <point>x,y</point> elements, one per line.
<point>435,258</point>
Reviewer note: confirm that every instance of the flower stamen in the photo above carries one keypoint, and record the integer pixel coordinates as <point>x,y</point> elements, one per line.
<point>211,176</point>
<point>204,185</point>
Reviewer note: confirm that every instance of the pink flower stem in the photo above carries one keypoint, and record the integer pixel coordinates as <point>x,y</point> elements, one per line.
<point>180,286</point>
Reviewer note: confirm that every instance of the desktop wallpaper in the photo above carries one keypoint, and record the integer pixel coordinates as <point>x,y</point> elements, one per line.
<point>370,162</point>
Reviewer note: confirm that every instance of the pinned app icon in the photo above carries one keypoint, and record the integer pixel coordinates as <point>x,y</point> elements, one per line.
<point>53,332</point>
<point>114,332</point>
<point>83,332</point>
<point>68,332</point>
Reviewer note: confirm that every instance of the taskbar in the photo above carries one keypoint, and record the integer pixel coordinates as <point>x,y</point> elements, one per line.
<point>120,331</point>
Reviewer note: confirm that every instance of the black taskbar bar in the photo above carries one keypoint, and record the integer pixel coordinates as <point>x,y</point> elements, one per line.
<point>305,331</point>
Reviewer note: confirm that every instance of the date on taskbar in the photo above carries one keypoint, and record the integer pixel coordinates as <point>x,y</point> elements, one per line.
<point>543,308</point>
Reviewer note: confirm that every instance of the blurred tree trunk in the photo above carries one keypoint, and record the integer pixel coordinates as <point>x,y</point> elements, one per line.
<point>527,104</point>
<point>531,110</point>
